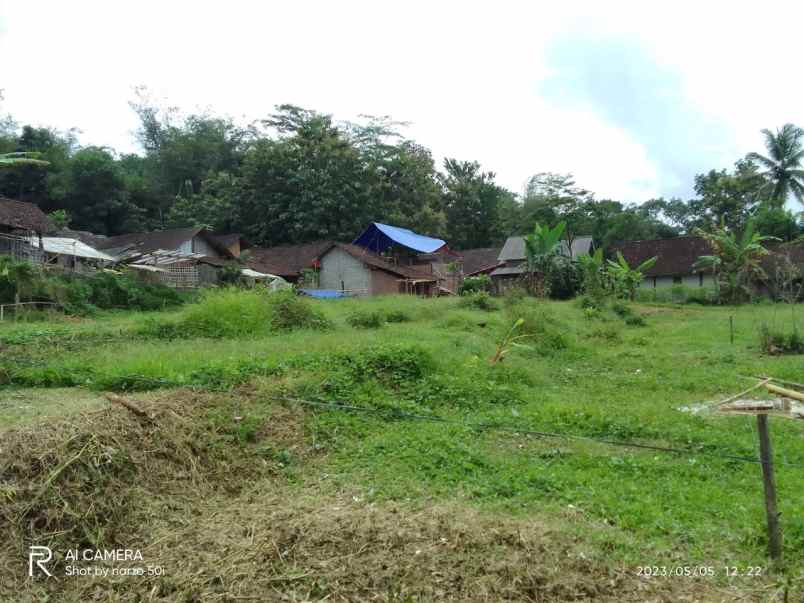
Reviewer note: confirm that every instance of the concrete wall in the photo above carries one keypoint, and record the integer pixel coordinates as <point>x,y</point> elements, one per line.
<point>689,280</point>
<point>341,271</point>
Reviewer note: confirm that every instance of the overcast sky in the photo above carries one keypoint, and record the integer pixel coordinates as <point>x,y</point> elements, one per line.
<point>632,98</point>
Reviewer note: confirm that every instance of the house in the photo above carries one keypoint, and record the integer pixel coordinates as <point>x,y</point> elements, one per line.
<point>403,247</point>
<point>675,260</point>
<point>199,241</point>
<point>355,270</point>
<point>479,261</point>
<point>513,259</point>
<point>21,228</point>
<point>184,258</point>
<point>292,262</point>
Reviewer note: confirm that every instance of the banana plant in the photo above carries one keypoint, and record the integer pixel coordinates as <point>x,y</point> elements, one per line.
<point>541,248</point>
<point>508,342</point>
<point>627,279</point>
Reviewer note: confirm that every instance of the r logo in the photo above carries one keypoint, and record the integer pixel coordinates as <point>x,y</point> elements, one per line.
<point>39,555</point>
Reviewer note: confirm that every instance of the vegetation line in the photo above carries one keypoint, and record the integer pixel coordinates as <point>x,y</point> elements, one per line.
<point>546,434</point>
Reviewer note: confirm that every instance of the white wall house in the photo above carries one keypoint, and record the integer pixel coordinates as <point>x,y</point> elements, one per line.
<point>676,260</point>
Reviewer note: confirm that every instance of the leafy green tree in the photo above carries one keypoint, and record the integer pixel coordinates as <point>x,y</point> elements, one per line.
<point>778,222</point>
<point>214,206</point>
<point>541,248</point>
<point>735,261</point>
<point>96,197</point>
<point>783,163</point>
<point>551,197</point>
<point>471,202</point>
<point>306,185</point>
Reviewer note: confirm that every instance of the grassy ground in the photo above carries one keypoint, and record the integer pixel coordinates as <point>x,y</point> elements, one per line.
<point>590,505</point>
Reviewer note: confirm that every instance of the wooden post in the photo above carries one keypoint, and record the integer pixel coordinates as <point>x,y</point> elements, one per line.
<point>769,482</point>
<point>731,329</point>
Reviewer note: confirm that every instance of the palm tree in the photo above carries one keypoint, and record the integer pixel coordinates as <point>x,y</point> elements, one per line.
<point>736,261</point>
<point>15,159</point>
<point>783,165</point>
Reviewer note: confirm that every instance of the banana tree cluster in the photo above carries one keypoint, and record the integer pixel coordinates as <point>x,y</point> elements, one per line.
<point>541,250</point>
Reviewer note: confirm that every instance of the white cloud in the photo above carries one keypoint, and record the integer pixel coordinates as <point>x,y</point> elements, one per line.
<point>467,75</point>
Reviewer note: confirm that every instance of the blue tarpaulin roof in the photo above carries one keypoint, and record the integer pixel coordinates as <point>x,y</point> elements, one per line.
<point>379,237</point>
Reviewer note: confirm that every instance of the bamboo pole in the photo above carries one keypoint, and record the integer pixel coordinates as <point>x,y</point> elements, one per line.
<point>769,483</point>
<point>782,391</point>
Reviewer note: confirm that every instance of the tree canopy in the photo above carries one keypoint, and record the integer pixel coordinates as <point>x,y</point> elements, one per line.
<point>299,175</point>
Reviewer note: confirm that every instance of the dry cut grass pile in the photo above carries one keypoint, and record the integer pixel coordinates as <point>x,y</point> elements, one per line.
<point>226,523</point>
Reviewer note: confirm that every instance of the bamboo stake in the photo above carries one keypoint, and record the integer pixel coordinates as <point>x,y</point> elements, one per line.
<point>769,483</point>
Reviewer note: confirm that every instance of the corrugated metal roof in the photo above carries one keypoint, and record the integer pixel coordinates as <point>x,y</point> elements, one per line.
<point>514,248</point>
<point>379,237</point>
<point>74,247</point>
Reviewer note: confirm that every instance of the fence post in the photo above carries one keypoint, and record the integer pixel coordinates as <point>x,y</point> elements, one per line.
<point>769,483</point>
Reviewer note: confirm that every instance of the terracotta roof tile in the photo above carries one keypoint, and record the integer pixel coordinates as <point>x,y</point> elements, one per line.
<point>23,216</point>
<point>675,256</point>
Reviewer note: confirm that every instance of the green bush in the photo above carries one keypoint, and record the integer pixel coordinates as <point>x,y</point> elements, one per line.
<point>289,312</point>
<point>635,320</point>
<point>478,301</point>
<point>565,279</point>
<point>677,294</point>
<point>778,342</point>
<point>397,316</point>
<point>546,335</point>
<point>372,319</point>
<point>475,284</point>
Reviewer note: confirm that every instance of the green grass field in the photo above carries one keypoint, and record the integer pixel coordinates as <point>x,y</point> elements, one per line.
<point>580,375</point>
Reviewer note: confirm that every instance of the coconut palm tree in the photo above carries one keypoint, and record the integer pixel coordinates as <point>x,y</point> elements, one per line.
<point>15,159</point>
<point>783,165</point>
<point>736,261</point>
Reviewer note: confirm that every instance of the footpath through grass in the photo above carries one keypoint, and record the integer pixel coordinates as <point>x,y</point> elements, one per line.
<point>598,376</point>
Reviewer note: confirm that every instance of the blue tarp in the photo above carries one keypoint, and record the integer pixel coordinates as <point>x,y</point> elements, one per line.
<point>323,293</point>
<point>379,237</point>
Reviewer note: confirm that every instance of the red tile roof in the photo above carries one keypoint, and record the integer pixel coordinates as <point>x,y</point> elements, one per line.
<point>675,256</point>
<point>23,216</point>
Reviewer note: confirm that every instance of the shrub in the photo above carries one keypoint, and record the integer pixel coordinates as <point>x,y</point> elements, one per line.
<point>777,341</point>
<point>479,301</point>
<point>546,335</point>
<point>678,294</point>
<point>372,319</point>
<point>475,284</point>
<point>635,320</point>
<point>288,312</point>
<point>227,313</point>
<point>621,309</point>
<point>397,316</point>
<point>565,279</point>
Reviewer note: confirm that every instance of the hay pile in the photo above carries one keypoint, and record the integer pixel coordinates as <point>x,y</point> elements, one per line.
<point>226,524</point>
